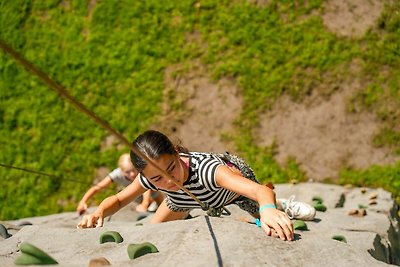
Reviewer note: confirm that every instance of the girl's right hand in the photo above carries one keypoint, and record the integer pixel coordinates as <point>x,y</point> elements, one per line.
<point>277,223</point>
<point>95,219</point>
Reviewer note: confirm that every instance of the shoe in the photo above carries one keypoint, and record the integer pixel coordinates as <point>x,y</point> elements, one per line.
<point>153,207</point>
<point>297,210</point>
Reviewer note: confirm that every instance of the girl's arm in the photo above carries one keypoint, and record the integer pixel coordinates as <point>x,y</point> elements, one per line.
<point>111,205</point>
<point>82,206</point>
<point>269,217</point>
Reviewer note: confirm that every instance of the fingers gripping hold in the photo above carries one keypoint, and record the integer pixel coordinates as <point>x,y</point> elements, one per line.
<point>266,228</point>
<point>276,223</point>
<point>91,221</point>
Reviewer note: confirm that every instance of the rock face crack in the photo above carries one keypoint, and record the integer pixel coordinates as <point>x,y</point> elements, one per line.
<point>394,236</point>
<point>386,248</point>
<point>382,250</point>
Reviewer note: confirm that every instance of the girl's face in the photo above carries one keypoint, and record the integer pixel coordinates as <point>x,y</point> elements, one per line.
<point>172,165</point>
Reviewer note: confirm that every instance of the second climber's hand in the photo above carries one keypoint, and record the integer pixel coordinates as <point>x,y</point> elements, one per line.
<point>276,223</point>
<point>93,220</point>
<point>82,207</point>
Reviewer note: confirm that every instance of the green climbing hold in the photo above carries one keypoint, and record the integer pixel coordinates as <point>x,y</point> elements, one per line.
<point>111,236</point>
<point>31,255</point>
<point>320,207</point>
<point>342,199</point>
<point>317,200</point>
<point>360,206</point>
<point>299,225</point>
<point>339,238</point>
<point>137,250</point>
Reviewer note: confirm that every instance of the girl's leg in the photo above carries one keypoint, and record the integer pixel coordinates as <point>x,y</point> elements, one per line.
<point>159,198</point>
<point>142,207</point>
<point>164,214</point>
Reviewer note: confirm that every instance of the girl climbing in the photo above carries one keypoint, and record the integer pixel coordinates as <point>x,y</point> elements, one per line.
<point>218,180</point>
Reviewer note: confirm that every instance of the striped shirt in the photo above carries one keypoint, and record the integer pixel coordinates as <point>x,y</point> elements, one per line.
<point>201,183</point>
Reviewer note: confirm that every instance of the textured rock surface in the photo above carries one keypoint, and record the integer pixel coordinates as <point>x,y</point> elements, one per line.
<point>372,240</point>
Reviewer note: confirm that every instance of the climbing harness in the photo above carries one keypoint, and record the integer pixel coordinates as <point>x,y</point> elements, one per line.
<point>217,212</point>
<point>63,93</point>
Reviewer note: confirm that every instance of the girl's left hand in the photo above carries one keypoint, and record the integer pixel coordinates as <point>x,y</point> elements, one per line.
<point>278,221</point>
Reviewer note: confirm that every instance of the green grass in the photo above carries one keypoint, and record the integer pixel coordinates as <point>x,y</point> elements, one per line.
<point>114,59</point>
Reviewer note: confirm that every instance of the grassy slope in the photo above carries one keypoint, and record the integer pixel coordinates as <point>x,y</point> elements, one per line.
<point>113,59</point>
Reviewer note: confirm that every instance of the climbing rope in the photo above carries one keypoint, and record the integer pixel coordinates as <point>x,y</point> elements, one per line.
<point>48,175</point>
<point>63,93</point>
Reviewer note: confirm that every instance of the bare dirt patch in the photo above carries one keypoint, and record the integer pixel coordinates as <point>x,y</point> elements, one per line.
<point>322,135</point>
<point>204,110</point>
<point>319,131</point>
<point>351,18</point>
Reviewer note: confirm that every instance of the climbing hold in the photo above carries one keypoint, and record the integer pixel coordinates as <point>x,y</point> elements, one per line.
<point>299,225</point>
<point>111,236</point>
<point>362,212</point>
<point>137,250</point>
<point>139,224</point>
<point>372,202</point>
<point>270,185</point>
<point>373,196</point>
<point>353,212</point>
<point>360,206</point>
<point>99,262</point>
<point>363,190</point>
<point>31,255</point>
<point>320,207</point>
<point>142,216</point>
<point>3,232</point>
<point>359,212</point>
<point>317,200</point>
<point>339,238</point>
<point>340,203</point>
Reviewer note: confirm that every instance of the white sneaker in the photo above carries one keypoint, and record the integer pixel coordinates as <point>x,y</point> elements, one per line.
<point>297,210</point>
<point>152,207</point>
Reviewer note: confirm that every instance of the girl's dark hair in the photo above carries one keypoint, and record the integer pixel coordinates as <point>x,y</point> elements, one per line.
<point>153,144</point>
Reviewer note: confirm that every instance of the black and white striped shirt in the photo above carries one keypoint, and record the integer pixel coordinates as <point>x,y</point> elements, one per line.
<point>201,183</point>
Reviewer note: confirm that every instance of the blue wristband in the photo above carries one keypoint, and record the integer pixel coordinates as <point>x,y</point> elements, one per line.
<point>266,206</point>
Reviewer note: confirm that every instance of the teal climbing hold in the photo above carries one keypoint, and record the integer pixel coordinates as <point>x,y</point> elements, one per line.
<point>340,238</point>
<point>138,250</point>
<point>3,232</point>
<point>299,225</point>
<point>320,207</point>
<point>111,236</point>
<point>31,255</point>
